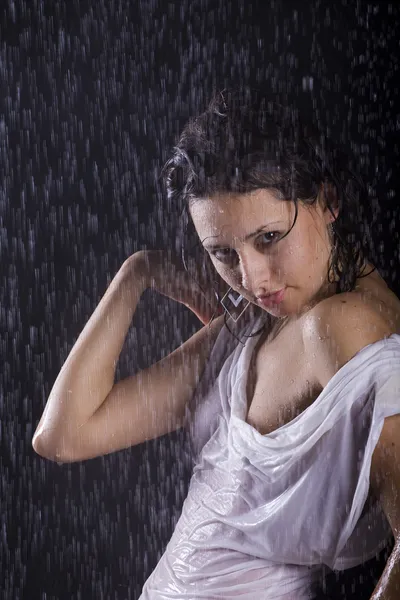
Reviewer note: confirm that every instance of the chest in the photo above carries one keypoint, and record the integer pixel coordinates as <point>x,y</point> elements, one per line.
<point>280,383</point>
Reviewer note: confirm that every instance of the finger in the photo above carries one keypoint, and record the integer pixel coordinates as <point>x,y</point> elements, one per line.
<point>204,282</point>
<point>205,315</point>
<point>203,308</point>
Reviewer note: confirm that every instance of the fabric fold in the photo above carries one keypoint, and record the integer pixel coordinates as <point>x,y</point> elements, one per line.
<point>270,510</point>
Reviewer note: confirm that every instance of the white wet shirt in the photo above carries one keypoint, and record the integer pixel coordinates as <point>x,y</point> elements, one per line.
<point>265,512</point>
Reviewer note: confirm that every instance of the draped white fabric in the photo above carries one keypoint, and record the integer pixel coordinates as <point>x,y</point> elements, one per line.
<point>264,512</point>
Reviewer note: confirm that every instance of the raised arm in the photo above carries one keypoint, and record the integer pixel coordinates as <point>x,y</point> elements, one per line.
<point>87,414</point>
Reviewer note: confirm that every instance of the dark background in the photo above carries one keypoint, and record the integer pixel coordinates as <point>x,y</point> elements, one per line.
<point>93,95</point>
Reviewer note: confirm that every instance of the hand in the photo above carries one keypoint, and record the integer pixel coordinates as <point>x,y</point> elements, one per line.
<point>165,272</point>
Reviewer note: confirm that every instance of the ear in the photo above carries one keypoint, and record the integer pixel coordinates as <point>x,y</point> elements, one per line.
<point>329,201</point>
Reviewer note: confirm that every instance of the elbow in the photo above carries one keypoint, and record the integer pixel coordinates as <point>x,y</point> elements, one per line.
<point>46,450</point>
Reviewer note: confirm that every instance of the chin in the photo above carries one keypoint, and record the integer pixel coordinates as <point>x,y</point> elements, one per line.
<point>278,312</point>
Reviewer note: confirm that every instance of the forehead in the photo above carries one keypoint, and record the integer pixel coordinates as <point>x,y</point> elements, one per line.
<point>238,213</point>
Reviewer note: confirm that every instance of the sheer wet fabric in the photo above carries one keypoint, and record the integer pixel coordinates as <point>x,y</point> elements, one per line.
<point>265,512</point>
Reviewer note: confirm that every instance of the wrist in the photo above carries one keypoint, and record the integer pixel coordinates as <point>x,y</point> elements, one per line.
<point>134,273</point>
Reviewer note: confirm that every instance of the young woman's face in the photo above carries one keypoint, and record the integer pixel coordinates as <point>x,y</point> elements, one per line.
<point>243,234</point>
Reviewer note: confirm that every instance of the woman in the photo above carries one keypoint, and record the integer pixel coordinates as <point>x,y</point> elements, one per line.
<point>292,407</point>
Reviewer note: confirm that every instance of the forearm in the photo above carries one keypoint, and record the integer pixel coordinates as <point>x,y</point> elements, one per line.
<point>388,586</point>
<point>88,374</point>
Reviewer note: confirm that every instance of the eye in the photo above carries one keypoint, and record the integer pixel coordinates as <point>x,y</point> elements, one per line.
<point>275,236</point>
<point>224,254</point>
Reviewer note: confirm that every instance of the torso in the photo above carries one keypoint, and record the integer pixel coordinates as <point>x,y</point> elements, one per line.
<point>281,383</point>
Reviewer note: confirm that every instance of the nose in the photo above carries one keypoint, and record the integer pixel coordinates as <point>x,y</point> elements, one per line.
<point>255,273</point>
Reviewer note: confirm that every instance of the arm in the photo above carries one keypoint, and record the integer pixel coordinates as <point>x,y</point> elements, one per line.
<point>87,414</point>
<point>385,481</point>
<point>388,586</point>
<point>87,375</point>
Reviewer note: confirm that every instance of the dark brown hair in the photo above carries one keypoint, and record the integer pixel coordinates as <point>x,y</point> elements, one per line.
<point>243,142</point>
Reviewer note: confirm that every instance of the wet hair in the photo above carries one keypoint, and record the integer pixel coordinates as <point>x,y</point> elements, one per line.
<point>244,142</point>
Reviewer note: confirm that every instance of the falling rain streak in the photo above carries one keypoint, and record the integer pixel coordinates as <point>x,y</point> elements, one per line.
<point>93,97</point>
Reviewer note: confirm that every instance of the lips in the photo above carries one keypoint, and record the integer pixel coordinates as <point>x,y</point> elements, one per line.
<point>271,299</point>
<point>270,294</point>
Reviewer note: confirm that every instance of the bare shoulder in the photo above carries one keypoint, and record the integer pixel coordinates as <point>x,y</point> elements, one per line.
<point>340,326</point>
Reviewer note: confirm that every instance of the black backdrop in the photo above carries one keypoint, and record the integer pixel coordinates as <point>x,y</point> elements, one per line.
<point>93,95</point>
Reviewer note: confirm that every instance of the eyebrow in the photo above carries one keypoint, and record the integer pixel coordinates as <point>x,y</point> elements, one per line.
<point>250,235</point>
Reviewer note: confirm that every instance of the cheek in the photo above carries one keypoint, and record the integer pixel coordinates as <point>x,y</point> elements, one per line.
<point>219,267</point>
<point>305,257</point>
<point>295,258</point>
<point>288,256</point>
<point>229,275</point>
